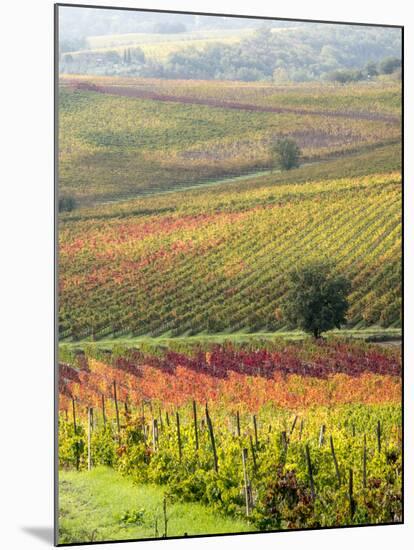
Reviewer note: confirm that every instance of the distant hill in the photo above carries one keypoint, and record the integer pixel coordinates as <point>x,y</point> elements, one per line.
<point>248,51</point>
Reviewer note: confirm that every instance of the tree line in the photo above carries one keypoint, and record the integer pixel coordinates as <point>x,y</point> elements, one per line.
<point>316,52</point>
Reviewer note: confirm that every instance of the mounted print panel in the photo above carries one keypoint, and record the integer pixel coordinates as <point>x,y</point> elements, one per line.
<point>229,274</point>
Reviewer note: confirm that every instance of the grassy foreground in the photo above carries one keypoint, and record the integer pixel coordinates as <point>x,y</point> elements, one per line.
<point>102,505</point>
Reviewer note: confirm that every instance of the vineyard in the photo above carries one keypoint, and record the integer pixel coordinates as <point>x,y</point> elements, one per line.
<point>383,99</point>
<point>216,260</point>
<point>133,139</point>
<point>185,404</point>
<point>287,436</point>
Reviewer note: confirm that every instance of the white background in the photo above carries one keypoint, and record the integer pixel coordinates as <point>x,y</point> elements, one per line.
<point>26,255</point>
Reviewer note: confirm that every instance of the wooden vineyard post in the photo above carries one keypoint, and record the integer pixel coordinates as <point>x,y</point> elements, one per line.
<point>103,410</point>
<point>352,505</point>
<point>253,453</point>
<point>77,457</point>
<point>269,431</point>
<point>293,424</point>
<point>379,436</point>
<point>195,424</point>
<point>301,429</point>
<point>90,413</point>
<point>154,434</point>
<point>246,481</point>
<point>238,424</point>
<point>309,464</point>
<point>177,417</point>
<point>256,439</point>
<point>74,415</point>
<point>322,435</point>
<point>338,475</point>
<point>364,463</point>
<point>161,422</point>
<point>213,441</point>
<point>353,430</point>
<point>127,413</point>
<point>116,408</point>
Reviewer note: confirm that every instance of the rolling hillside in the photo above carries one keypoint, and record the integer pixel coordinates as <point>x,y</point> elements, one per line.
<point>229,275</point>
<point>216,258</point>
<point>120,138</point>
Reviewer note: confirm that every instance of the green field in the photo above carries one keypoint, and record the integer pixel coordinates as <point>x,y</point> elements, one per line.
<point>94,506</point>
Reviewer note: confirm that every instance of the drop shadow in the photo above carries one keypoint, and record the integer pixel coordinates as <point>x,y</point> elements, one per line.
<point>42,533</point>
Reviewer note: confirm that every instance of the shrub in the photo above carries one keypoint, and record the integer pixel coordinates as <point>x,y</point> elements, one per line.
<point>66,204</point>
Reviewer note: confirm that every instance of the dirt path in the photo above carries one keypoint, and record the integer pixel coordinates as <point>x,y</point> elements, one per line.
<point>130,91</point>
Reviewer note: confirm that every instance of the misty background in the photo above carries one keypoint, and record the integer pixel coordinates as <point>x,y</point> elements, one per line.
<point>165,45</point>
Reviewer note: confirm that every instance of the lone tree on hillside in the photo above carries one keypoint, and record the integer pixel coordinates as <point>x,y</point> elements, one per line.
<point>316,300</point>
<point>285,154</point>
